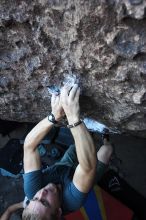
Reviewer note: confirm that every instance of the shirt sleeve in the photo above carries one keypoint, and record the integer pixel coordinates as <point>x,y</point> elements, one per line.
<point>32,183</point>
<point>73,199</point>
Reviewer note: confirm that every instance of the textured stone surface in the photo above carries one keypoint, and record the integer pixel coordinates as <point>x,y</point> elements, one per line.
<point>101,44</point>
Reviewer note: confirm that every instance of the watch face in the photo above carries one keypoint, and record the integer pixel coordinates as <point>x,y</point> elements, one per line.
<point>50,118</point>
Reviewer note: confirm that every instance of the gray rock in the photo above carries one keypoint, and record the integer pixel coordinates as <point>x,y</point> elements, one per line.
<point>135,2</point>
<point>99,44</point>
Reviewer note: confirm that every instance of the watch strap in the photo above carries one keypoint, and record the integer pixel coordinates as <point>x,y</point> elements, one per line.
<point>75,124</point>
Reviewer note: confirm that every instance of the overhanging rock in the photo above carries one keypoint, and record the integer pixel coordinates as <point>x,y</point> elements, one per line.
<point>101,44</point>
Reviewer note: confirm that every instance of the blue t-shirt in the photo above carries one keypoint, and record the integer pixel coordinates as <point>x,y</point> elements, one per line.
<point>72,198</point>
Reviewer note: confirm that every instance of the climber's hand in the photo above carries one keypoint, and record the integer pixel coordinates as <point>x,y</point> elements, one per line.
<point>70,102</point>
<point>56,105</point>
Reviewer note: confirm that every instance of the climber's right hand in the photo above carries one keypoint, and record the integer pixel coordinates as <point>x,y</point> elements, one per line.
<point>70,102</point>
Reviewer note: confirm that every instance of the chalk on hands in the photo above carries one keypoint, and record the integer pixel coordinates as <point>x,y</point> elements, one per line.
<point>53,90</point>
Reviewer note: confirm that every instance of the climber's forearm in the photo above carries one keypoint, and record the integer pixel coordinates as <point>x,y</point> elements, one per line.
<point>36,135</point>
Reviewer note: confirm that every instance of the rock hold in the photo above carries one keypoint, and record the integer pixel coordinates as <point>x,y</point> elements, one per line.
<point>99,44</point>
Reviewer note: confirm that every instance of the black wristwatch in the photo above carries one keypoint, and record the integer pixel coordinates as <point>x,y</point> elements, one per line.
<point>51,118</point>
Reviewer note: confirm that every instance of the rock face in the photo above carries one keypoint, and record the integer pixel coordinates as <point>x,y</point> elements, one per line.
<point>99,43</point>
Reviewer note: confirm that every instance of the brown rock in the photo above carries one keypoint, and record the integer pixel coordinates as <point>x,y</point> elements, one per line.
<point>100,44</point>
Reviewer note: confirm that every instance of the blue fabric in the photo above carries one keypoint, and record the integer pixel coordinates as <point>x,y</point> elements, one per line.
<point>72,198</point>
<point>92,204</point>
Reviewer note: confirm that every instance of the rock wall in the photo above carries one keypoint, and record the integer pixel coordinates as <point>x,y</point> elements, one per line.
<point>99,43</point>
